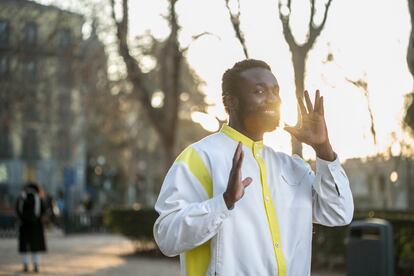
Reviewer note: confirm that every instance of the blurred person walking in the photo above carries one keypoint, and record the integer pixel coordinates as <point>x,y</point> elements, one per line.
<point>30,209</point>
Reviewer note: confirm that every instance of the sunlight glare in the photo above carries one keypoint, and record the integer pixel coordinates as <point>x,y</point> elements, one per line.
<point>207,121</point>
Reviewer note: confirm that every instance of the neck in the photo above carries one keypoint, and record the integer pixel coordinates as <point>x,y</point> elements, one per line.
<point>254,134</point>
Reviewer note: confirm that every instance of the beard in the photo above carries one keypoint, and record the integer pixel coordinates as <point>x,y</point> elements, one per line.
<point>260,122</point>
<point>260,119</point>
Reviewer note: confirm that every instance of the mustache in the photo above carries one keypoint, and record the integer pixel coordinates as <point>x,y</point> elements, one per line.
<point>266,108</point>
<point>259,109</point>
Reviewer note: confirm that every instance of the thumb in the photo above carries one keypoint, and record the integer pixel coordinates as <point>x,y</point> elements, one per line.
<point>247,181</point>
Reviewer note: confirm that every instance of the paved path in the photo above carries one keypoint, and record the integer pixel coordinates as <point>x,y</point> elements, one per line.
<point>98,254</point>
<point>87,254</point>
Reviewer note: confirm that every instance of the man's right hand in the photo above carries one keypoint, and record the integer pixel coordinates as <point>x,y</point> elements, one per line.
<point>235,185</point>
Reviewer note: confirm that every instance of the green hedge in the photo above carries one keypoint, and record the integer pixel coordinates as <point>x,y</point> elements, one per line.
<point>134,224</point>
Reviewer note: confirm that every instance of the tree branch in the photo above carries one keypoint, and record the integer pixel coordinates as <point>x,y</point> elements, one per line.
<point>196,37</point>
<point>287,32</point>
<point>312,14</point>
<point>314,30</point>
<point>134,73</point>
<point>364,86</point>
<point>235,21</point>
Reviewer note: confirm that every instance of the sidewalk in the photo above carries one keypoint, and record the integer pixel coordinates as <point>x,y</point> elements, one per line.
<point>89,254</point>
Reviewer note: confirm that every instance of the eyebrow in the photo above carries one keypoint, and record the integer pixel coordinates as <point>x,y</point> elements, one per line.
<point>264,84</point>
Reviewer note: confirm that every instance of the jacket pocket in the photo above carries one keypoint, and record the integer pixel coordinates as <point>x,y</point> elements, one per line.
<point>296,195</point>
<point>289,180</point>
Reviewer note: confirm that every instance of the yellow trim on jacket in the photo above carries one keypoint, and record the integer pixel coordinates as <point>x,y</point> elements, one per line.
<point>271,215</point>
<point>197,259</point>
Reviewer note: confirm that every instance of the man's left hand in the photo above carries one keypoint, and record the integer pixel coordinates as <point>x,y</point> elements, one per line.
<point>311,128</point>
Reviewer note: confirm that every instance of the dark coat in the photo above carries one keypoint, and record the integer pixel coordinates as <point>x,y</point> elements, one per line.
<point>31,230</point>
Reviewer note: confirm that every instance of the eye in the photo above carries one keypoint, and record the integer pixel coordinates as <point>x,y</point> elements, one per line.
<point>260,91</point>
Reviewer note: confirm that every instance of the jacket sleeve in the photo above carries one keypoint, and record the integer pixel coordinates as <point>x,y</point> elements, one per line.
<point>332,198</point>
<point>187,216</point>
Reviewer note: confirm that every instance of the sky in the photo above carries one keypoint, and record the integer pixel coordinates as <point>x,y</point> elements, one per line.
<point>368,40</point>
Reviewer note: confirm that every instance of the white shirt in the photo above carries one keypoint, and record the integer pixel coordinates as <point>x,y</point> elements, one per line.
<point>269,230</point>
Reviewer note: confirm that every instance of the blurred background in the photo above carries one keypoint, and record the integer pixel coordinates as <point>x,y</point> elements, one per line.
<point>98,97</point>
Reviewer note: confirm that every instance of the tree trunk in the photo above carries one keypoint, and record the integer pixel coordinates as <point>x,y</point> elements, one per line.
<point>169,149</point>
<point>410,48</point>
<point>299,59</point>
<point>300,51</point>
<point>164,120</point>
<point>409,117</point>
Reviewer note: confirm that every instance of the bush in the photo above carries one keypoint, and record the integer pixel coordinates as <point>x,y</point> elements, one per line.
<point>134,224</point>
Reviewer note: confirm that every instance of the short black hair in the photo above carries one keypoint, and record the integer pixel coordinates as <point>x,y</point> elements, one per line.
<point>232,76</point>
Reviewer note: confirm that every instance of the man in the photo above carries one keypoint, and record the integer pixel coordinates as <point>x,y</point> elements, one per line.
<point>231,206</point>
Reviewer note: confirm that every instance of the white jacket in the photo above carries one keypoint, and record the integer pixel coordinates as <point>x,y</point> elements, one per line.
<point>269,231</point>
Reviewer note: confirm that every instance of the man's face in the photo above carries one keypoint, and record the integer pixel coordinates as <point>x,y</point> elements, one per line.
<point>258,100</point>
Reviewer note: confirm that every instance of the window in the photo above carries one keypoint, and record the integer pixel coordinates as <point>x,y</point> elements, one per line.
<point>64,38</point>
<point>30,33</point>
<point>4,65</point>
<point>30,145</point>
<point>5,149</point>
<point>4,32</point>
<point>29,69</point>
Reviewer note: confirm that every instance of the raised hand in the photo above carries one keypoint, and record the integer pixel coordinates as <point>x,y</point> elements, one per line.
<point>311,128</point>
<point>235,185</point>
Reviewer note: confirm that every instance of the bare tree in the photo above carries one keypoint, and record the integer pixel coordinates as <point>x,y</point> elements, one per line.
<point>362,84</point>
<point>300,51</point>
<point>164,119</point>
<point>409,116</point>
<point>235,21</point>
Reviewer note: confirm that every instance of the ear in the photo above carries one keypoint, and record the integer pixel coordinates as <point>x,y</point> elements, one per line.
<point>231,103</point>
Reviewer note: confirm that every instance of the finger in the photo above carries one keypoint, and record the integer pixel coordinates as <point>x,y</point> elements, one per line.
<point>289,126</point>
<point>292,130</point>
<point>322,109</point>
<point>240,161</point>
<point>302,107</point>
<point>308,102</point>
<point>236,155</point>
<point>317,105</point>
<point>247,181</point>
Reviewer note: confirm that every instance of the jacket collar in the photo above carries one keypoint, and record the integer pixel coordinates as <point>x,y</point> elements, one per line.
<point>237,136</point>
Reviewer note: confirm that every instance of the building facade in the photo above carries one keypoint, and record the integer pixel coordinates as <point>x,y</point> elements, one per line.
<point>382,183</point>
<point>41,113</point>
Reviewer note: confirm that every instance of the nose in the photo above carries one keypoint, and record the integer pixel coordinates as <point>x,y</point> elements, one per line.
<point>272,98</point>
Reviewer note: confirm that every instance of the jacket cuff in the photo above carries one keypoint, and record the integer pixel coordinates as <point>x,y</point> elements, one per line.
<point>327,167</point>
<point>218,205</point>
<point>333,170</point>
